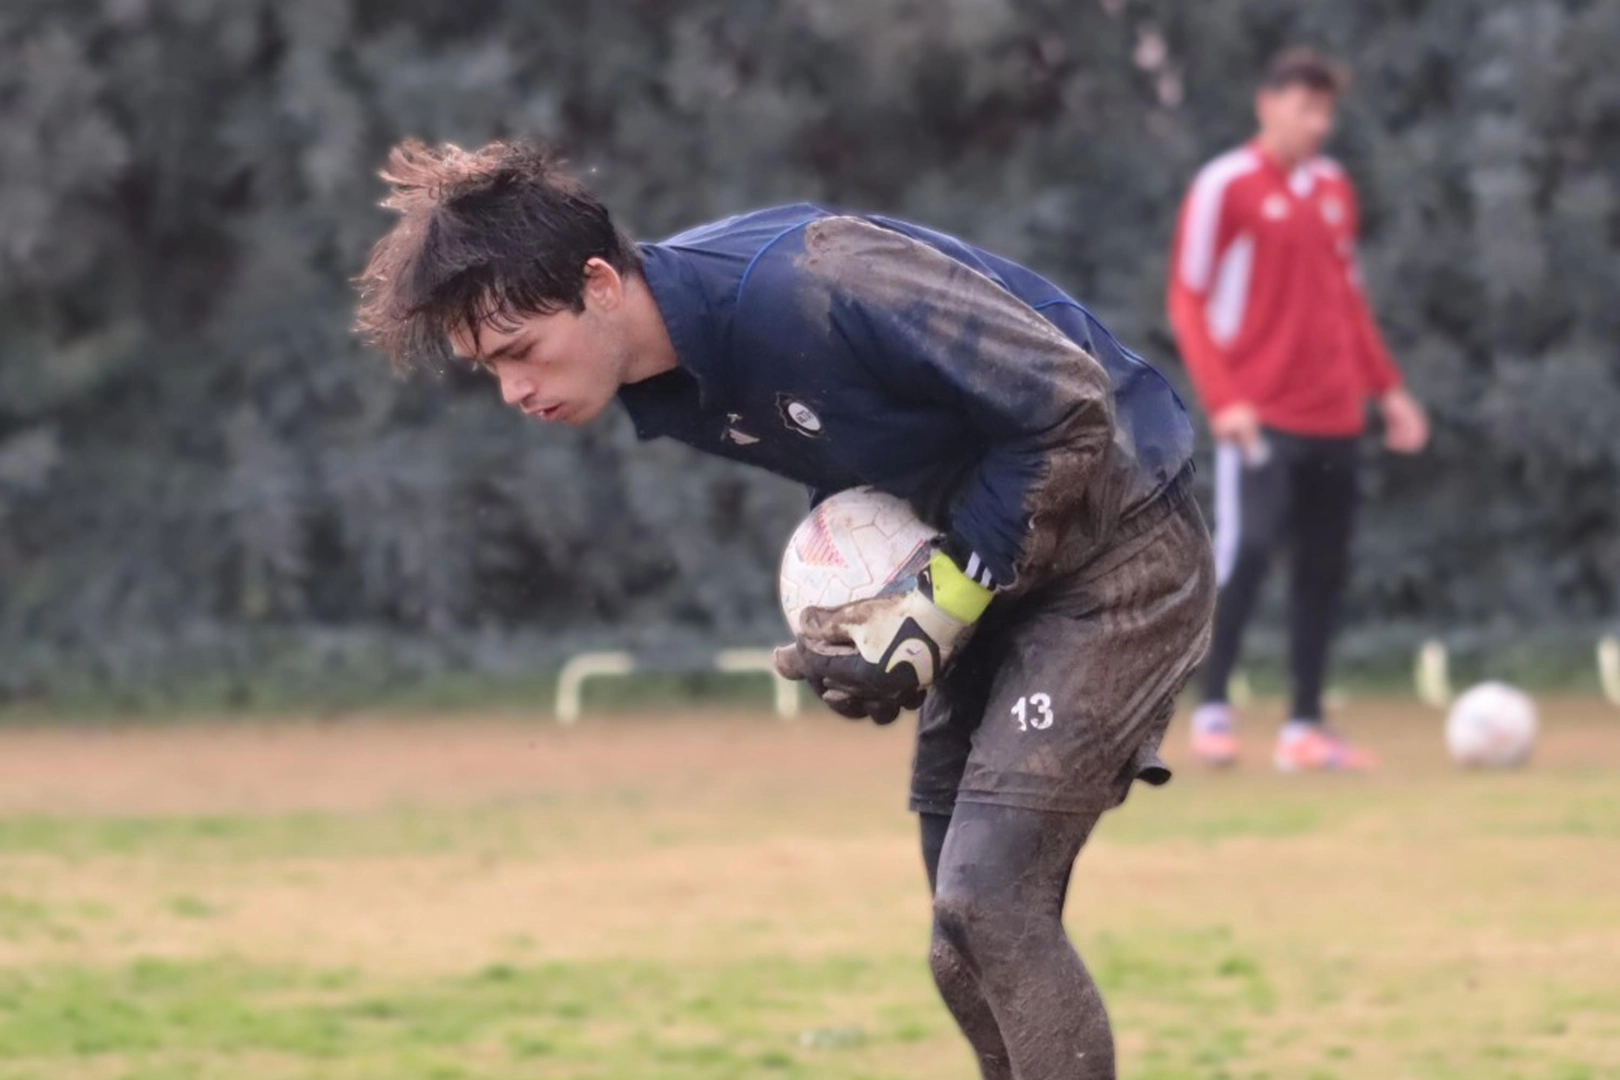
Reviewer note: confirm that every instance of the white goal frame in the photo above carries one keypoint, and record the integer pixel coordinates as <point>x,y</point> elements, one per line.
<point>584,667</point>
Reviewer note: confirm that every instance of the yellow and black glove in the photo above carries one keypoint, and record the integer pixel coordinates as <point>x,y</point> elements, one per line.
<point>872,658</point>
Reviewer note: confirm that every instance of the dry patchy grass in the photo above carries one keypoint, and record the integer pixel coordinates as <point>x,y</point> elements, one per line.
<point>715,896</point>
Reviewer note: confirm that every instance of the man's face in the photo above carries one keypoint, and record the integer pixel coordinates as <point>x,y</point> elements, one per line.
<point>564,367</point>
<point>1296,120</point>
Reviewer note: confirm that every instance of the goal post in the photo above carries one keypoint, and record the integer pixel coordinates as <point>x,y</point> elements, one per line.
<point>758,662</point>
<point>585,667</point>
<point>1432,674</point>
<point>1608,663</point>
<point>581,668</point>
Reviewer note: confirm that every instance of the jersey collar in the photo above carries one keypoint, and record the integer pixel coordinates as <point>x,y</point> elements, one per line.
<point>1298,182</point>
<point>695,328</point>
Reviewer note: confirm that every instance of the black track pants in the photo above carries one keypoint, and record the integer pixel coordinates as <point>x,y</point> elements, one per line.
<point>1301,495</point>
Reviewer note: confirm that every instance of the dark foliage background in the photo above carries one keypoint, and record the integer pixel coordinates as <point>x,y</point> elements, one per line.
<point>205,483</point>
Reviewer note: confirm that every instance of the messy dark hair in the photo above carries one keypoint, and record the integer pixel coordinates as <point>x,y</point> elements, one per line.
<point>1304,66</point>
<point>483,236</point>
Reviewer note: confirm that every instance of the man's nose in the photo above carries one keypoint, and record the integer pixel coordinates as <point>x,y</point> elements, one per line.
<point>515,389</point>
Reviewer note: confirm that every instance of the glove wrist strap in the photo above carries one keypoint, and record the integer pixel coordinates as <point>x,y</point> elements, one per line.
<point>956,594</point>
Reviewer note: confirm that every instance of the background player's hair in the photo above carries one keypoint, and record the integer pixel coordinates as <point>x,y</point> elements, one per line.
<point>1301,65</point>
<point>483,235</point>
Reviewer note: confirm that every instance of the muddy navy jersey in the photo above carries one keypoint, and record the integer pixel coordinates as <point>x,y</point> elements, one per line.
<point>838,350</point>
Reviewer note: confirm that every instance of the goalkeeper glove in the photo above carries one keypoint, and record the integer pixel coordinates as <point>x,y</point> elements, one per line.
<point>875,657</point>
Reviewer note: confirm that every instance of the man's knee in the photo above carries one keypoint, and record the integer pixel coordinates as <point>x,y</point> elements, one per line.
<point>949,964</point>
<point>1252,554</point>
<point>984,927</point>
<point>1002,878</point>
<point>1245,561</point>
<point>960,919</point>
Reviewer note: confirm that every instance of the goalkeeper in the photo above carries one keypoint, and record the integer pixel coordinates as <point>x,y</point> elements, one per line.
<point>1069,601</point>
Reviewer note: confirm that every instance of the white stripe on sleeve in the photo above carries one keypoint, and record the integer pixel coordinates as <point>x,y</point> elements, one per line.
<point>1203,223</point>
<point>1229,298</point>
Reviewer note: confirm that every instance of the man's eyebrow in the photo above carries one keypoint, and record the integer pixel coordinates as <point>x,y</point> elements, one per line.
<point>511,348</point>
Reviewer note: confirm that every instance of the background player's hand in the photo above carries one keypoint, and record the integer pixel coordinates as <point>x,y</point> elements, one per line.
<point>1239,424</point>
<point>1406,425</point>
<point>876,657</point>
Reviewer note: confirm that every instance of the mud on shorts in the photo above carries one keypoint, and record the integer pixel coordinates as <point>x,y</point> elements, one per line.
<point>1059,702</point>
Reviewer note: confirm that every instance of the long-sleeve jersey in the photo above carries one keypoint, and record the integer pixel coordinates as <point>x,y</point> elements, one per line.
<point>838,351</point>
<point>1265,297</point>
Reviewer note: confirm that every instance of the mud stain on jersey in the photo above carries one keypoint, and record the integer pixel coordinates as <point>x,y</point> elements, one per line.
<point>1043,402</point>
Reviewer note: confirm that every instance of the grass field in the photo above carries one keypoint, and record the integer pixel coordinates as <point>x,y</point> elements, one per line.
<point>728,896</point>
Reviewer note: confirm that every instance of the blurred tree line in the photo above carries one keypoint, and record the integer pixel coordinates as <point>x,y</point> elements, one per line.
<point>204,481</point>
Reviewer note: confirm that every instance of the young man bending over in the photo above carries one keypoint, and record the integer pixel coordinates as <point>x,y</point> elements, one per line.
<point>1068,602</point>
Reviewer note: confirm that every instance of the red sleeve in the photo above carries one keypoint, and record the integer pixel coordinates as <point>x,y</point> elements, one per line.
<point>1203,228</point>
<point>1378,370</point>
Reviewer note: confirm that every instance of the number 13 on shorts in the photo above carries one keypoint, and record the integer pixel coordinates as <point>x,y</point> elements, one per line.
<point>1033,711</point>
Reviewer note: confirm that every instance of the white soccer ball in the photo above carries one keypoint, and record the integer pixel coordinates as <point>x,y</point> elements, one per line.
<point>855,545</point>
<point>1493,725</point>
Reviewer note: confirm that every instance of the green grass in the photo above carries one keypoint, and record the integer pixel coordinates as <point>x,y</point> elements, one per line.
<point>599,1020</point>
<point>772,1016</point>
<point>424,696</point>
<point>285,681</point>
<point>757,913</point>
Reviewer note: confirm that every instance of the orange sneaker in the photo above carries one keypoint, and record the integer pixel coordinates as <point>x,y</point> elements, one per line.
<point>1214,743</point>
<point>1314,748</point>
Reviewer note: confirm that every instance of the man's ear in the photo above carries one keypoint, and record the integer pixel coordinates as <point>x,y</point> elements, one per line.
<point>604,286</point>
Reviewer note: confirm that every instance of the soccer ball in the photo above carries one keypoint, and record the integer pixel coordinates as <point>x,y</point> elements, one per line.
<point>855,545</point>
<point>1493,725</point>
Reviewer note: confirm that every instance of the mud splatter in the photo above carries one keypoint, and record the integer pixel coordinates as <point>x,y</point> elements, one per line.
<point>1044,404</point>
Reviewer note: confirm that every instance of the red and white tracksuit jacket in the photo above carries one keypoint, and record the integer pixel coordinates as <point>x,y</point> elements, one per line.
<point>1265,297</point>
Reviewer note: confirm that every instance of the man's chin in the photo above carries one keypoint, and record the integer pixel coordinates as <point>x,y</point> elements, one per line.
<point>578,415</point>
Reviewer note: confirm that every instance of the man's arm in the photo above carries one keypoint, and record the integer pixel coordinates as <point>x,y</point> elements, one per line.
<point>1378,370</point>
<point>1203,230</point>
<point>1406,427</point>
<point>933,329</point>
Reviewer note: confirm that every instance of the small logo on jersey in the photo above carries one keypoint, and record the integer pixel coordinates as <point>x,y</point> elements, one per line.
<point>799,416</point>
<point>1275,208</point>
<point>735,434</point>
<point>1332,210</point>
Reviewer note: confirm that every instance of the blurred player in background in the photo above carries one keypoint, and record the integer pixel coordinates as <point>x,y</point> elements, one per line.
<point>1068,602</point>
<point>1267,305</point>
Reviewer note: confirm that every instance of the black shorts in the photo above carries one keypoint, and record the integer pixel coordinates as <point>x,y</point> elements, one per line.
<point>1060,700</point>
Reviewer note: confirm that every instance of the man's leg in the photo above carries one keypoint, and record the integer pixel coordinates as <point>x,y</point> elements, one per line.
<point>945,729</point>
<point>1325,497</point>
<point>1042,725</point>
<point>958,985</point>
<point>1076,710</point>
<point>1000,947</point>
<point>1251,510</point>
